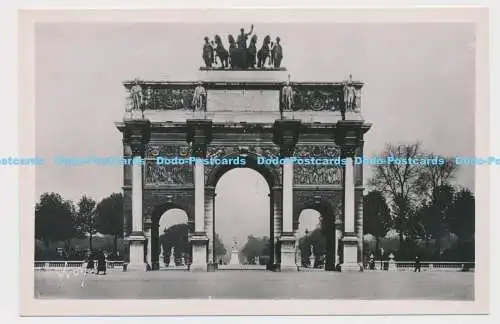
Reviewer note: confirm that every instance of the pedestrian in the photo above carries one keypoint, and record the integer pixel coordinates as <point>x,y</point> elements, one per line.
<point>101,263</point>
<point>417,264</point>
<point>90,262</point>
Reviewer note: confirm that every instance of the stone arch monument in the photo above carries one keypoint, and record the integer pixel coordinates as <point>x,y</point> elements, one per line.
<point>243,114</point>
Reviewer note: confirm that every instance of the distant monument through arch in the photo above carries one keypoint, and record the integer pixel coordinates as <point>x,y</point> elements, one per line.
<point>252,113</point>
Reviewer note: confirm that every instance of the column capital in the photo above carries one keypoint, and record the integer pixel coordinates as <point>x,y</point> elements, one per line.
<point>349,134</point>
<point>198,136</point>
<point>286,134</point>
<point>137,134</point>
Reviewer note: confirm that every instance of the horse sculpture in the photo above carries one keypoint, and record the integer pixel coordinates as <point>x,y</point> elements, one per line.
<point>263,53</point>
<point>221,52</point>
<point>252,52</point>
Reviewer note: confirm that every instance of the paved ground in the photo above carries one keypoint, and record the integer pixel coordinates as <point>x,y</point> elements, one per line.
<point>257,285</point>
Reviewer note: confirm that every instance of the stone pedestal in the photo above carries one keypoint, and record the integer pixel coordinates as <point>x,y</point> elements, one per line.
<point>350,244</point>
<point>392,263</point>
<point>235,260</point>
<point>136,253</point>
<point>287,243</point>
<point>273,76</point>
<point>171,262</point>
<point>199,247</point>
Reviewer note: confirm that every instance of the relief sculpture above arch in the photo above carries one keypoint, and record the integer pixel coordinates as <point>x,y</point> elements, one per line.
<point>317,174</point>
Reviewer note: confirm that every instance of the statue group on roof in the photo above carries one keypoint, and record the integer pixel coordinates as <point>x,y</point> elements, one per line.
<point>242,54</point>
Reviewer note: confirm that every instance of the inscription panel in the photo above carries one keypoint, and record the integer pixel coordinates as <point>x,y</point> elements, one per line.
<point>243,100</point>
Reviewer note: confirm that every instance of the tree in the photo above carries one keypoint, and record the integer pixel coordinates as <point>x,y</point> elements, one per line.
<point>219,249</point>
<point>462,222</point>
<point>109,217</point>
<point>398,181</point>
<point>176,236</point>
<point>436,175</point>
<point>85,218</point>
<point>438,214</point>
<point>317,240</point>
<point>254,247</point>
<point>376,216</point>
<point>54,219</point>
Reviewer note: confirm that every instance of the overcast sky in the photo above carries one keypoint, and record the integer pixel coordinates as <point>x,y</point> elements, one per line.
<point>419,86</point>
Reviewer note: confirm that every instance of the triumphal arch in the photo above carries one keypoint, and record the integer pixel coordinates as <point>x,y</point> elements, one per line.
<point>246,112</point>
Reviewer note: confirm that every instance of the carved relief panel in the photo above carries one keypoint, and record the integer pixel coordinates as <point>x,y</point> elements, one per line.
<point>316,98</point>
<point>169,174</point>
<point>166,97</point>
<point>317,174</point>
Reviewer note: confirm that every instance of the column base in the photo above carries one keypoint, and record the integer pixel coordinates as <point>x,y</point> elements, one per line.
<point>287,243</point>
<point>136,254</point>
<point>199,243</point>
<point>350,244</point>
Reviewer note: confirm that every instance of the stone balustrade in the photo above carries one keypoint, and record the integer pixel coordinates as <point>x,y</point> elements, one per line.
<point>70,265</point>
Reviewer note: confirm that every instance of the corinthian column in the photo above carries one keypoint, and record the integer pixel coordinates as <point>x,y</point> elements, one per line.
<point>349,195</point>
<point>199,136</point>
<point>286,135</point>
<point>349,136</point>
<point>288,198</point>
<point>209,222</point>
<point>137,134</point>
<point>350,239</point>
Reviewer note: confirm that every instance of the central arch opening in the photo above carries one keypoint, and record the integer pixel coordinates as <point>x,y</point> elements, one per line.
<point>311,241</point>
<point>242,219</point>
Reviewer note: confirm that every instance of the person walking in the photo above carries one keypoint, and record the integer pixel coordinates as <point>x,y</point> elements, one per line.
<point>90,262</point>
<point>417,264</point>
<point>101,263</point>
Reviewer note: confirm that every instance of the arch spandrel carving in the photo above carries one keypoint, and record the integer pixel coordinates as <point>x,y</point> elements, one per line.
<point>317,174</point>
<point>168,174</point>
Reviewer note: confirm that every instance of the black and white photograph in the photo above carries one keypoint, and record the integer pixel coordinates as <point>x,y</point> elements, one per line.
<point>256,160</point>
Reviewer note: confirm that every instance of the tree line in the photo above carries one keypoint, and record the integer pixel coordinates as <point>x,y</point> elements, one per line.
<point>420,203</point>
<point>58,219</point>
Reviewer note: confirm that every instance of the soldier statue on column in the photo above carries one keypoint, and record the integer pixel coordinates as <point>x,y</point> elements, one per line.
<point>287,96</point>
<point>199,97</point>
<point>349,94</point>
<point>136,95</point>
